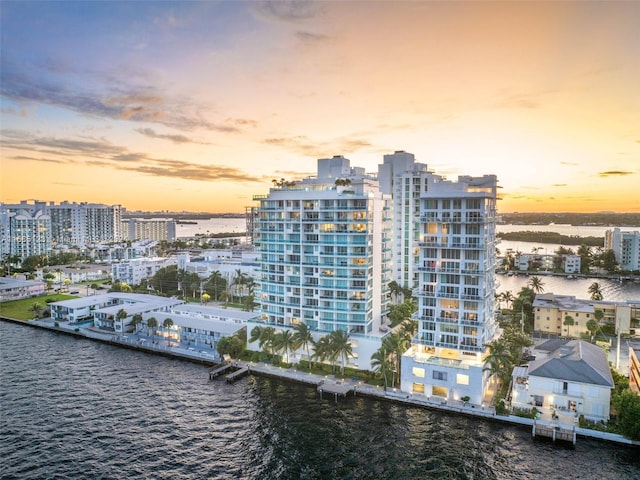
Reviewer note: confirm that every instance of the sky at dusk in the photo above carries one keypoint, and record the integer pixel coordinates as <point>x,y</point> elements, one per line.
<point>199,105</point>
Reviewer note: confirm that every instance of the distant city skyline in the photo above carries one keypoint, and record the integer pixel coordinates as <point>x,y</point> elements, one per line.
<point>197,106</point>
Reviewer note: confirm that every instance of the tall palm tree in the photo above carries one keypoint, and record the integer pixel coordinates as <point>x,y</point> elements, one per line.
<point>136,320</point>
<point>36,307</point>
<point>167,324</point>
<point>266,340</point>
<point>341,347</point>
<point>303,338</point>
<point>382,364</point>
<point>595,291</point>
<point>121,315</point>
<point>507,297</point>
<point>536,284</point>
<point>321,349</point>
<point>499,361</point>
<point>152,324</point>
<point>284,342</point>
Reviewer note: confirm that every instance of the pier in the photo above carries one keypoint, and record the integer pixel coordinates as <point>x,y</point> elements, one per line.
<point>232,377</point>
<point>337,388</point>
<point>217,371</point>
<point>554,431</point>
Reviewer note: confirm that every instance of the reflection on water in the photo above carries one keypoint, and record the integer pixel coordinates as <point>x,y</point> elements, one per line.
<point>614,291</point>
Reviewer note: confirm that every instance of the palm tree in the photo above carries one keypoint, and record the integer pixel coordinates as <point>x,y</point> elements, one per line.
<point>536,284</point>
<point>152,324</point>
<point>592,326</point>
<point>266,340</point>
<point>121,315</point>
<point>168,323</point>
<point>239,281</point>
<point>284,342</point>
<point>499,361</point>
<point>303,338</point>
<point>507,297</point>
<point>340,347</point>
<point>35,307</point>
<point>595,291</point>
<point>217,284</point>
<point>135,321</point>
<point>395,290</point>
<point>321,349</point>
<point>568,322</point>
<point>382,364</point>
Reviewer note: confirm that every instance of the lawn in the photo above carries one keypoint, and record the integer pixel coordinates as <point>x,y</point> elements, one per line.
<point>20,309</point>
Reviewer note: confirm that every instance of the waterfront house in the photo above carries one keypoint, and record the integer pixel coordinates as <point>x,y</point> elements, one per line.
<point>574,379</point>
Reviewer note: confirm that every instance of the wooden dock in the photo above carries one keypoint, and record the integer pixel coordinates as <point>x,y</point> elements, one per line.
<point>554,432</point>
<point>232,377</point>
<point>219,370</point>
<point>336,388</point>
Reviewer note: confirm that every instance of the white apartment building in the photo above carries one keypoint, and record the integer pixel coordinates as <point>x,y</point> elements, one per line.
<point>157,229</point>
<point>625,246</point>
<point>134,271</point>
<point>571,263</point>
<point>325,255</point>
<point>457,261</point>
<point>36,228</point>
<point>25,230</point>
<point>404,179</point>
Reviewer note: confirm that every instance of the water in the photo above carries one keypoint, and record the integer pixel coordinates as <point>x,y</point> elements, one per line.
<point>80,409</point>
<point>212,225</point>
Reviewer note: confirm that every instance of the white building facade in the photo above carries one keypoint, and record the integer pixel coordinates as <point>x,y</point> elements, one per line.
<point>456,314</point>
<point>625,246</point>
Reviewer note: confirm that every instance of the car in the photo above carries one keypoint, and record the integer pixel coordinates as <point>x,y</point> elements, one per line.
<point>74,292</point>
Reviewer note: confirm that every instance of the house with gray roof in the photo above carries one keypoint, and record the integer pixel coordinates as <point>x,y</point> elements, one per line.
<point>574,379</point>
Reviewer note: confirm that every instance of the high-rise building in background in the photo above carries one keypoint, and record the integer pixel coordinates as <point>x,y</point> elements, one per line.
<point>36,228</point>
<point>625,246</point>
<point>456,315</point>
<point>25,230</point>
<point>158,229</point>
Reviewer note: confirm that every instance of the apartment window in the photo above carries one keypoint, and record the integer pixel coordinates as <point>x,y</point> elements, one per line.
<point>440,375</point>
<point>418,372</point>
<point>462,379</point>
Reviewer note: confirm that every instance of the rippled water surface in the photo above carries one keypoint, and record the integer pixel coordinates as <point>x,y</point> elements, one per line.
<point>80,409</point>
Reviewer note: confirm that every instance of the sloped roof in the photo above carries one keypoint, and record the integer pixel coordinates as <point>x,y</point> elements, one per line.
<point>576,361</point>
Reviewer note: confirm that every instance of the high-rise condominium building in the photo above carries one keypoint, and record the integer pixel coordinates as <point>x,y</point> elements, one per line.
<point>456,315</point>
<point>25,230</point>
<point>401,177</point>
<point>325,245</point>
<point>51,225</point>
<point>625,246</point>
<point>157,229</point>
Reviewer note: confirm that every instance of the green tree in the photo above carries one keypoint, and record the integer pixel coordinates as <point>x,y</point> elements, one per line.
<point>167,324</point>
<point>136,320</point>
<point>284,342</point>
<point>584,251</point>
<point>499,361</point>
<point>322,349</point>
<point>536,284</point>
<point>592,326</point>
<point>36,308</point>
<point>216,285</point>
<point>595,291</point>
<point>303,339</point>
<point>609,261</point>
<point>627,405</point>
<point>152,324</point>
<point>121,315</point>
<point>382,364</point>
<point>232,346</point>
<point>340,347</point>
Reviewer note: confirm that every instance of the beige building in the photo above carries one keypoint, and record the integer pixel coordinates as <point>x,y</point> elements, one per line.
<point>567,316</point>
